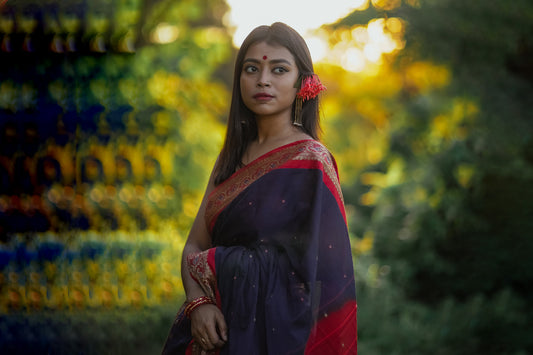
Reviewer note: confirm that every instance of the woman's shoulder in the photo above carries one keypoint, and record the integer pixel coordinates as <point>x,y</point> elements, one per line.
<point>316,149</point>
<point>315,145</point>
<point>315,152</point>
<point>315,155</point>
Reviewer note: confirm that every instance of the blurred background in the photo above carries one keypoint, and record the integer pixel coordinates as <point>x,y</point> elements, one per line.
<point>112,113</point>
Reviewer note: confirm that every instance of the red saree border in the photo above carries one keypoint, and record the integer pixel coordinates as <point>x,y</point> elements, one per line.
<point>212,266</point>
<point>332,332</point>
<point>303,154</point>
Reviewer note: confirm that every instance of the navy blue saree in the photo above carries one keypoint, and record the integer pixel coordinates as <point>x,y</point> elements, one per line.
<point>280,268</point>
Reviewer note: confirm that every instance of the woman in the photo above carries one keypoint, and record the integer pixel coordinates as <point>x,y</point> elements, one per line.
<point>267,267</point>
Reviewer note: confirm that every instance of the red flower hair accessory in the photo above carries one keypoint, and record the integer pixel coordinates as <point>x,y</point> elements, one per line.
<point>310,87</point>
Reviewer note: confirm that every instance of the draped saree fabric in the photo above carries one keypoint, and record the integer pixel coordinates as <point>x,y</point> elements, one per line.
<point>280,267</point>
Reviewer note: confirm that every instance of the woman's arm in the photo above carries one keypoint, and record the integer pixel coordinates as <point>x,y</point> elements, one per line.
<point>208,326</point>
<point>197,241</point>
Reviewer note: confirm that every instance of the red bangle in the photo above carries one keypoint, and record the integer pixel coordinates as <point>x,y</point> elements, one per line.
<point>197,302</point>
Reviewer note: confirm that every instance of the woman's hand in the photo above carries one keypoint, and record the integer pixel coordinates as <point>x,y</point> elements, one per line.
<point>208,327</point>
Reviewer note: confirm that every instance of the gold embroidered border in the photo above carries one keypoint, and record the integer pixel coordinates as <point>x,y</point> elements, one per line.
<point>224,194</point>
<point>199,268</point>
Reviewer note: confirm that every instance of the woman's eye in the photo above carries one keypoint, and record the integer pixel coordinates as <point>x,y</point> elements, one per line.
<point>250,69</point>
<point>280,70</point>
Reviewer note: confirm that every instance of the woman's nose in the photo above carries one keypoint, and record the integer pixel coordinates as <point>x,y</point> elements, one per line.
<point>264,80</point>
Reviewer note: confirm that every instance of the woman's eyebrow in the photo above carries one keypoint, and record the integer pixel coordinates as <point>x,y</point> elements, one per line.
<point>272,61</point>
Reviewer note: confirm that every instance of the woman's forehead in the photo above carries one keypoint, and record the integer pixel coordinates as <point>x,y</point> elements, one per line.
<point>263,50</point>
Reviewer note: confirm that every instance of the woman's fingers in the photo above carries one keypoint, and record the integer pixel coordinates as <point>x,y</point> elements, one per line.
<point>204,341</point>
<point>213,328</point>
<point>221,326</point>
<point>205,320</point>
<point>206,344</point>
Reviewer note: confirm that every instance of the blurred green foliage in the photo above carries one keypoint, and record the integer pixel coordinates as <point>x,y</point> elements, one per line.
<point>448,207</point>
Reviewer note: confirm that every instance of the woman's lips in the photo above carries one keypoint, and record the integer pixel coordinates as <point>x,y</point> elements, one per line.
<point>262,96</point>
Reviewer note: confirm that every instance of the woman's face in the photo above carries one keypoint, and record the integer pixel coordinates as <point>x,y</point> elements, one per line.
<point>267,80</point>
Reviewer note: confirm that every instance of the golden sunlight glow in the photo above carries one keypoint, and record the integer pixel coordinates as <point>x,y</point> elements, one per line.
<point>165,33</point>
<point>386,4</point>
<point>353,60</point>
<point>361,48</point>
<point>394,25</point>
<point>357,49</point>
<point>303,16</point>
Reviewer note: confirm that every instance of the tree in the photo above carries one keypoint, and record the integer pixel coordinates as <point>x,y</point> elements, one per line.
<point>448,205</point>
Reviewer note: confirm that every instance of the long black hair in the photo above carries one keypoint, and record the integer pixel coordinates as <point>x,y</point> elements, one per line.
<point>242,128</point>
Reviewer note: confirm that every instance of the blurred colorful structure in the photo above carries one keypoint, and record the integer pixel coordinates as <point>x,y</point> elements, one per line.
<point>99,130</point>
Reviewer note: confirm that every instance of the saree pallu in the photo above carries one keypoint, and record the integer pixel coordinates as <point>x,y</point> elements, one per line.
<point>280,268</point>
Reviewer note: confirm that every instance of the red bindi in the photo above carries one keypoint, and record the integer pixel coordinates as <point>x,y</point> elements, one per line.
<point>265,57</point>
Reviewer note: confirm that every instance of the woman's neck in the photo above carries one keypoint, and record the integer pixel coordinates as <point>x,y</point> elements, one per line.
<point>270,129</point>
<point>272,133</point>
